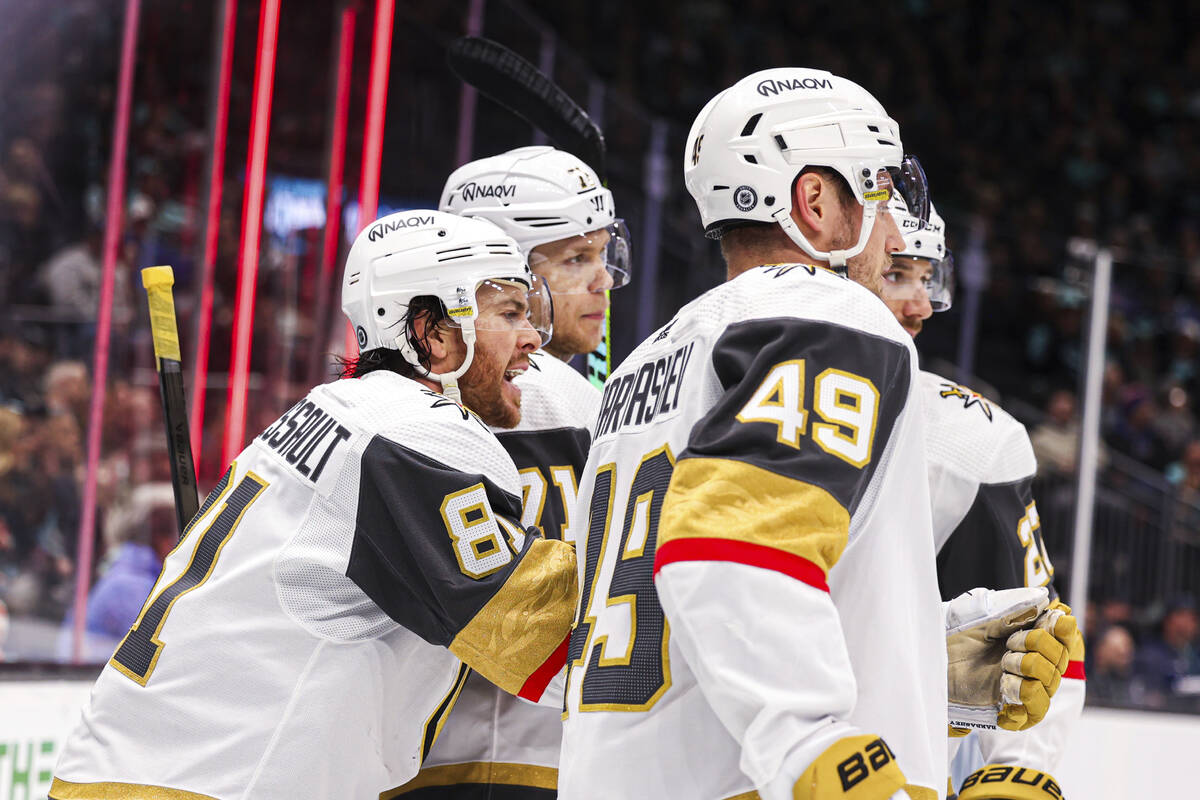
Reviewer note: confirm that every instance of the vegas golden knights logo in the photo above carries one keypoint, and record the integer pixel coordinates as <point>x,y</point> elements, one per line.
<point>968,397</point>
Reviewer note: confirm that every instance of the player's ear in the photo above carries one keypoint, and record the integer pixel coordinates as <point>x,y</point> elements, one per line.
<point>444,343</point>
<point>811,203</point>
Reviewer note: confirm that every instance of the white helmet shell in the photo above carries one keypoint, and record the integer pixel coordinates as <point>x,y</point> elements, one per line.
<point>414,253</point>
<point>926,240</point>
<point>749,143</point>
<point>535,194</point>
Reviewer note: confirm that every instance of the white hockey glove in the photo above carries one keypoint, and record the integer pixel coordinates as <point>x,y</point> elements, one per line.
<point>1007,655</point>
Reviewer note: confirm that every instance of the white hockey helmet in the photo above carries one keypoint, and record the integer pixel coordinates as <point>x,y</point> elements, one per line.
<point>928,242</point>
<point>751,141</point>
<point>539,195</point>
<point>455,259</point>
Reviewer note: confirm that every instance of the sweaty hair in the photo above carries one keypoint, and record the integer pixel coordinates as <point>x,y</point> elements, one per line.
<point>389,358</point>
<point>742,236</point>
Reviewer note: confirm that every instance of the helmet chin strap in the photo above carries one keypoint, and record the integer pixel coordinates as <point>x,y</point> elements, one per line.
<point>835,258</point>
<point>449,380</point>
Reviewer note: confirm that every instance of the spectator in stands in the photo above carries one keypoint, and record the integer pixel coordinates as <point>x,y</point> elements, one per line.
<point>1176,425</point>
<point>67,390</point>
<point>70,280</point>
<point>25,351</point>
<point>1110,674</point>
<point>138,534</point>
<point>1183,362</point>
<point>1136,435</point>
<point>1056,440</point>
<point>1185,523</point>
<point>1167,660</point>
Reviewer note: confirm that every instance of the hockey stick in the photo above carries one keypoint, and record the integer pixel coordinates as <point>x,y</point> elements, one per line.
<point>158,282</point>
<point>526,91</point>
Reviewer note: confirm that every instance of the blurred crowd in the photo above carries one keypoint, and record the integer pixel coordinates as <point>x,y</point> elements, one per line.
<point>1134,664</point>
<point>1036,123</point>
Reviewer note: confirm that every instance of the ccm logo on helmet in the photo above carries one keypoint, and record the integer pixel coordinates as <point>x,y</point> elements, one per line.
<point>772,86</point>
<point>384,228</point>
<point>472,190</point>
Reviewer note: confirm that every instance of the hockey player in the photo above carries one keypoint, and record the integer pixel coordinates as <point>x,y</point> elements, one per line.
<point>563,219</point>
<point>759,608</point>
<point>985,520</point>
<point>358,556</point>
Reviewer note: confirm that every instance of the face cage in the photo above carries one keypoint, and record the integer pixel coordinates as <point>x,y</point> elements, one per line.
<point>539,311</point>
<point>618,260</point>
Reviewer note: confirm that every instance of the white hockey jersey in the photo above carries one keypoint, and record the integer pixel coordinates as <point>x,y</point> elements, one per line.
<point>988,533</point>
<point>319,610</point>
<point>491,738</point>
<point>757,569</point>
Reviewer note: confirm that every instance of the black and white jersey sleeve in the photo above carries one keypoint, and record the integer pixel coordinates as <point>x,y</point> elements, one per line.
<point>981,471</point>
<point>442,552</point>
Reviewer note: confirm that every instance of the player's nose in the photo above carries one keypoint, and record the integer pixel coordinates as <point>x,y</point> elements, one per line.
<point>602,279</point>
<point>918,305</point>
<point>893,242</point>
<point>528,339</point>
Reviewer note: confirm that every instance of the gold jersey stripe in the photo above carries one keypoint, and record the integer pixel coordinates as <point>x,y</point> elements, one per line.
<point>719,498</point>
<point>484,772</point>
<point>66,790</point>
<point>526,620</point>
<point>745,796</point>
<point>921,792</point>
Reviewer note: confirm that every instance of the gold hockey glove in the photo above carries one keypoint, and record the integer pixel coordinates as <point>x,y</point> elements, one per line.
<point>1031,654</point>
<point>1003,668</point>
<point>1001,782</point>
<point>854,768</point>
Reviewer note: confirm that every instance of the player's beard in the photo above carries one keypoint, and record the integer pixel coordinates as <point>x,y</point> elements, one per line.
<point>486,391</point>
<point>868,267</point>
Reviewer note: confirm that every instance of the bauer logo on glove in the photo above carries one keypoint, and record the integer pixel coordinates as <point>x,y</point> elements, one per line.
<point>1000,782</point>
<point>1007,655</point>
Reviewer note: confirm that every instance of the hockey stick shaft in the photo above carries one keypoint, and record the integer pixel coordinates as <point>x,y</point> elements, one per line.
<point>599,361</point>
<point>165,331</point>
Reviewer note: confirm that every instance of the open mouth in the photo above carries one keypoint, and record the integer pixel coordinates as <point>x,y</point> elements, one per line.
<point>514,372</point>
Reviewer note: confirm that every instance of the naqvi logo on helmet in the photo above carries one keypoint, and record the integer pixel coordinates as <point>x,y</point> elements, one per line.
<point>773,86</point>
<point>393,224</point>
<point>471,191</point>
